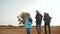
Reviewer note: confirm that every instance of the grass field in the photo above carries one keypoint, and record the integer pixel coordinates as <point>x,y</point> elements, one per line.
<point>22,30</point>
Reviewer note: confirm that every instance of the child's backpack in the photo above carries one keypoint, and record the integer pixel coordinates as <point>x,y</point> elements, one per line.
<point>30,20</point>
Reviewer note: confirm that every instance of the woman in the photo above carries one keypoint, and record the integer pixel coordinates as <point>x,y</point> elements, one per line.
<point>28,23</point>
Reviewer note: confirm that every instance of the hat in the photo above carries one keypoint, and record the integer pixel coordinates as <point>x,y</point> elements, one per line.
<point>37,11</point>
<point>45,13</point>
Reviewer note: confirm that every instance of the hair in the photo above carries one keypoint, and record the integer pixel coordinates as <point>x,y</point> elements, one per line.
<point>37,11</point>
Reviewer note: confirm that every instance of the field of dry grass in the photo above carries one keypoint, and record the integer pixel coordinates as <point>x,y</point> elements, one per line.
<point>22,30</point>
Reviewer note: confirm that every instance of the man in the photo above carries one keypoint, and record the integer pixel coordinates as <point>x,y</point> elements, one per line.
<point>47,20</point>
<point>38,21</point>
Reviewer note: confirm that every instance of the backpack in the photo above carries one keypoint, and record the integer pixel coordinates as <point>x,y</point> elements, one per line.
<point>30,20</point>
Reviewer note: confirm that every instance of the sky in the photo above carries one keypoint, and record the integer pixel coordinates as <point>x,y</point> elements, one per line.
<point>10,9</point>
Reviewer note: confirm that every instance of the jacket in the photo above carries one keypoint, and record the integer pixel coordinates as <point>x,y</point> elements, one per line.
<point>27,22</point>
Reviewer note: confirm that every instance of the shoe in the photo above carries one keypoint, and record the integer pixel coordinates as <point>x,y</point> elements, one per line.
<point>38,32</point>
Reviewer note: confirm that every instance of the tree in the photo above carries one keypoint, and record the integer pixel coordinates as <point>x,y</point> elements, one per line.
<point>21,17</point>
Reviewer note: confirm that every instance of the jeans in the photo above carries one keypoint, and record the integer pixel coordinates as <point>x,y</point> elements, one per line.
<point>28,30</point>
<point>38,27</point>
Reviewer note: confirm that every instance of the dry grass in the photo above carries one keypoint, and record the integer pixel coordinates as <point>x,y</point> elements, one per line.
<point>22,30</point>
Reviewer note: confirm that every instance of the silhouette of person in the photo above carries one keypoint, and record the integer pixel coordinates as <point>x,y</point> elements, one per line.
<point>38,18</point>
<point>47,20</point>
<point>28,23</point>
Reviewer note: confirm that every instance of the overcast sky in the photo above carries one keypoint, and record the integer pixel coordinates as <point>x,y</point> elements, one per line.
<point>10,9</point>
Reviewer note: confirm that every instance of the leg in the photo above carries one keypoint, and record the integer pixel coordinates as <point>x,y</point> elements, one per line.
<point>49,28</point>
<point>40,28</point>
<point>36,26</point>
<point>28,30</point>
<point>45,28</point>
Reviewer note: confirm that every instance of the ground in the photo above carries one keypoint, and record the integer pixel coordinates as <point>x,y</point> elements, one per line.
<point>22,30</point>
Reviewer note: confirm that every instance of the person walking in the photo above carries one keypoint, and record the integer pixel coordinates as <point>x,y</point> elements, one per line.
<point>47,20</point>
<point>38,18</point>
<point>28,23</point>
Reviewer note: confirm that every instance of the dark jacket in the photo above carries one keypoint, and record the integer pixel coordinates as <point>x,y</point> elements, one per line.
<point>47,18</point>
<point>38,17</point>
